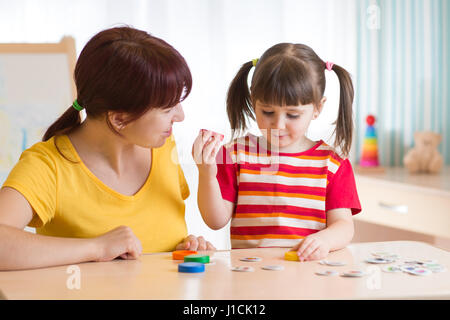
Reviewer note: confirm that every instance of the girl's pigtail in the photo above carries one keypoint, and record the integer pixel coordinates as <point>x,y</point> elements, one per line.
<point>344,122</point>
<point>65,123</point>
<point>239,105</point>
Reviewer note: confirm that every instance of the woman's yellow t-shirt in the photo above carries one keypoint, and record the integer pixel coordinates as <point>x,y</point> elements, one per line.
<point>70,201</point>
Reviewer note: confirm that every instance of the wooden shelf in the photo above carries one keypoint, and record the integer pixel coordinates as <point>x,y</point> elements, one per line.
<point>397,205</point>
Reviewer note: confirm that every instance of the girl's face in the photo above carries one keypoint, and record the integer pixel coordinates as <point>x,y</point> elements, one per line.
<point>153,128</point>
<point>285,127</point>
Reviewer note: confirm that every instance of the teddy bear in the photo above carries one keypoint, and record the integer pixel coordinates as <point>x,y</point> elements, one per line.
<point>424,157</point>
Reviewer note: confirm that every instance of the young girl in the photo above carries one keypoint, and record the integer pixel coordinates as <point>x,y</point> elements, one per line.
<point>281,189</point>
<point>109,186</point>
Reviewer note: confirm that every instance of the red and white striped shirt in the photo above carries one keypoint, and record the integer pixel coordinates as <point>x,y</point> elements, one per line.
<point>282,197</point>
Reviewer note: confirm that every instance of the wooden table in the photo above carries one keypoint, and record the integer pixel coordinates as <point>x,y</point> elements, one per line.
<point>155,276</point>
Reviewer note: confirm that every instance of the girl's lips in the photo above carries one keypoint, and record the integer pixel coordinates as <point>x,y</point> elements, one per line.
<point>280,137</point>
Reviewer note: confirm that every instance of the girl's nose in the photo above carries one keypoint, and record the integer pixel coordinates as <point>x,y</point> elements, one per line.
<point>179,113</point>
<point>278,123</point>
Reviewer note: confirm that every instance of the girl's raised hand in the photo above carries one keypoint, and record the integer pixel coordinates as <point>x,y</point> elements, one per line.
<point>204,151</point>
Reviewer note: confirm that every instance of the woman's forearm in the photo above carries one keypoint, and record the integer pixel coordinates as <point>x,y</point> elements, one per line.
<point>214,210</point>
<point>24,250</point>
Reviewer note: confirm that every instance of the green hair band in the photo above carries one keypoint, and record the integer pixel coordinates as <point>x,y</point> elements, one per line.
<point>76,105</point>
<point>255,61</point>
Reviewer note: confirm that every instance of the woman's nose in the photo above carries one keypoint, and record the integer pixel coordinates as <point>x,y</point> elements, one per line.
<point>179,113</point>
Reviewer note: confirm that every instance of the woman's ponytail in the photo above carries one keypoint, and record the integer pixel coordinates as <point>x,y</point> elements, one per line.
<point>239,105</point>
<point>65,123</point>
<point>344,122</point>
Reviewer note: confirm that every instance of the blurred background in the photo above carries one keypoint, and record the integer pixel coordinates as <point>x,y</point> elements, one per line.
<point>396,50</point>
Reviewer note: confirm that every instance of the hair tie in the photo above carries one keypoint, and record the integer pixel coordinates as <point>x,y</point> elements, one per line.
<point>255,61</point>
<point>329,65</point>
<point>76,105</point>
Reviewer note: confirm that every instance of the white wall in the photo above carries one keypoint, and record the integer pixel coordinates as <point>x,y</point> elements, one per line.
<point>215,37</point>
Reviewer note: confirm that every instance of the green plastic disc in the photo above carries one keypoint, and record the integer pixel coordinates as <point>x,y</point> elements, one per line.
<point>196,258</point>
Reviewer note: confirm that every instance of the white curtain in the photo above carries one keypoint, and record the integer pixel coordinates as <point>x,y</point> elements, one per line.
<point>215,37</point>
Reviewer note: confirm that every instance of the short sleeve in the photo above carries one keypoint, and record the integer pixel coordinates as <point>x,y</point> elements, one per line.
<point>184,187</point>
<point>183,184</point>
<point>34,176</point>
<point>341,191</point>
<point>227,175</point>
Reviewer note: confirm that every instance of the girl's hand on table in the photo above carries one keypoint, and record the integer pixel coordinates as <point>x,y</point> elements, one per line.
<point>313,247</point>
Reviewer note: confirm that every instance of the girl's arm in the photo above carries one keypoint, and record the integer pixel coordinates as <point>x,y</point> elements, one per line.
<point>340,229</point>
<point>24,250</point>
<point>338,233</point>
<point>215,211</point>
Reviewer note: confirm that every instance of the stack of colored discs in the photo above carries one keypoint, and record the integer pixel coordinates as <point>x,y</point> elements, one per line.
<point>291,256</point>
<point>197,258</point>
<point>369,157</point>
<point>191,267</point>
<point>180,254</point>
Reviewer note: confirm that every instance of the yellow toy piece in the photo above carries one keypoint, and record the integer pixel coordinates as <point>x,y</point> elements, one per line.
<point>291,256</point>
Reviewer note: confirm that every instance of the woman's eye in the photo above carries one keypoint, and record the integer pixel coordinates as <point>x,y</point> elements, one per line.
<point>267,113</point>
<point>293,116</point>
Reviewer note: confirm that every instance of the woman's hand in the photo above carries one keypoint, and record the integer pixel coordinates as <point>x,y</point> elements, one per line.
<point>313,247</point>
<point>204,151</point>
<point>195,243</point>
<point>119,242</point>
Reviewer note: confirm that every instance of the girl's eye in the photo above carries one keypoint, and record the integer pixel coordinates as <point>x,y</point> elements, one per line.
<point>267,113</point>
<point>293,116</point>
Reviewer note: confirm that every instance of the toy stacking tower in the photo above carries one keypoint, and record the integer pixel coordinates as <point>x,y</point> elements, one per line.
<point>369,158</point>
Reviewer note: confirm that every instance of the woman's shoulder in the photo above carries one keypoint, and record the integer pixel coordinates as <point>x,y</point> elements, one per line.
<point>36,165</point>
<point>41,148</point>
<point>57,150</point>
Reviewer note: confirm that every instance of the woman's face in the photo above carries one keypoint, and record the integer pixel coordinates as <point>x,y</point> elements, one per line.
<point>153,128</point>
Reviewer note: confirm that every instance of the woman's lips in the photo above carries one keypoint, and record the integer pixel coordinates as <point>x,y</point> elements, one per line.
<point>168,133</point>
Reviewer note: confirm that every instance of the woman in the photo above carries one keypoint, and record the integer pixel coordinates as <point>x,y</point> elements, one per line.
<point>110,186</point>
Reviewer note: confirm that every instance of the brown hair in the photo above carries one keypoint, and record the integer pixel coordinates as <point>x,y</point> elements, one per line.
<point>288,75</point>
<point>123,69</point>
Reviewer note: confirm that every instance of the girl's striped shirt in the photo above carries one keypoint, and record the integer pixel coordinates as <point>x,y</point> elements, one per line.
<point>282,197</point>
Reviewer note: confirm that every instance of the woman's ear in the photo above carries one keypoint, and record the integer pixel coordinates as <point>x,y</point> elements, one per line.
<point>318,109</point>
<point>117,120</point>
